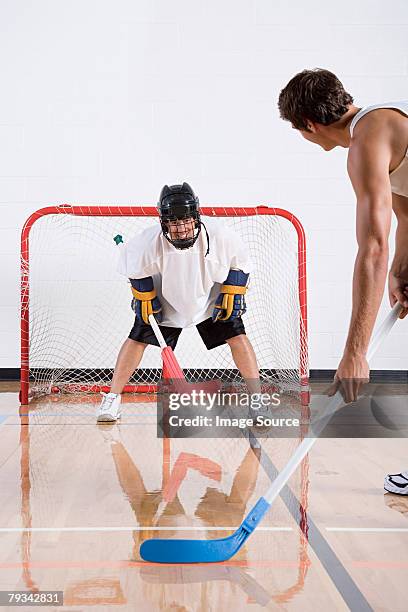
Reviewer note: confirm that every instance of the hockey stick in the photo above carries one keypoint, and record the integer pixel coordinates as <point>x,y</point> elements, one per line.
<point>214,551</point>
<point>169,360</point>
<point>173,369</point>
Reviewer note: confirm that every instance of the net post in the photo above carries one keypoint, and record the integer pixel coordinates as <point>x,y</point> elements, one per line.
<point>302,288</point>
<point>25,315</point>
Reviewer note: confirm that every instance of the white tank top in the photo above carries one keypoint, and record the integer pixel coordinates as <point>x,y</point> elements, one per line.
<point>399,176</point>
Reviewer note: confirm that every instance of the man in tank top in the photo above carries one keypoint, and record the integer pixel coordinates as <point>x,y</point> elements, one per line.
<point>316,104</point>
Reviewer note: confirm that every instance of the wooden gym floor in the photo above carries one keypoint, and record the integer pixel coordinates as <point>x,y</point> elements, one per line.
<point>77,499</point>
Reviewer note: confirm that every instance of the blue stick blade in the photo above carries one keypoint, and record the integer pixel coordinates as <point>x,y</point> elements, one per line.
<point>193,551</point>
<point>204,551</point>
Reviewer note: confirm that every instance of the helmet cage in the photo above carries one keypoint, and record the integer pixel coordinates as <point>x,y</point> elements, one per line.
<point>177,207</point>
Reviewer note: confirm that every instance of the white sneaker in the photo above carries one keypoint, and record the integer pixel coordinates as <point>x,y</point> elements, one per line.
<point>109,408</point>
<point>397,483</point>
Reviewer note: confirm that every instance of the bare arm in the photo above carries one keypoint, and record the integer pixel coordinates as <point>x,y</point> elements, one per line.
<point>398,276</point>
<point>368,167</point>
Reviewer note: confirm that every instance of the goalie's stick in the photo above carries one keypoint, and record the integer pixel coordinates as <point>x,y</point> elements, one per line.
<point>172,368</point>
<point>213,551</point>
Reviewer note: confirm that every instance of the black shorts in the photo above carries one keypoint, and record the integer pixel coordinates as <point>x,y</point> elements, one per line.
<point>212,334</point>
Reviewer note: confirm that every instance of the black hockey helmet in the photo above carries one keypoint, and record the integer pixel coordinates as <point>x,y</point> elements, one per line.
<point>179,203</point>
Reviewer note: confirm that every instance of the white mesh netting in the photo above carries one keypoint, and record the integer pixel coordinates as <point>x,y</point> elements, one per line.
<point>79,311</point>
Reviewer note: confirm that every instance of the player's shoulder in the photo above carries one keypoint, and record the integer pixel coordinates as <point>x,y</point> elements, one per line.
<point>145,243</point>
<point>371,140</point>
<point>370,128</point>
<point>378,121</point>
<point>148,234</point>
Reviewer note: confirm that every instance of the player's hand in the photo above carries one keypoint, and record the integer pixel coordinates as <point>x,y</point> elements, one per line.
<point>398,291</point>
<point>145,301</point>
<point>352,374</point>
<point>230,303</point>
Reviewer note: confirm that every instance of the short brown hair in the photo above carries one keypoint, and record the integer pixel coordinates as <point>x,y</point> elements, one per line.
<point>315,95</point>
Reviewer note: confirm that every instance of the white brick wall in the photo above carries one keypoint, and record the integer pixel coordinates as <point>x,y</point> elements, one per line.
<point>105,101</point>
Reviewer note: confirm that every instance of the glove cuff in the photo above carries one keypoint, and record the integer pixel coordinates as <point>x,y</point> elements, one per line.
<point>233,289</point>
<point>144,296</point>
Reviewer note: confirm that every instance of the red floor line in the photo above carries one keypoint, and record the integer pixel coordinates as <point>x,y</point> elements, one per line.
<point>128,563</point>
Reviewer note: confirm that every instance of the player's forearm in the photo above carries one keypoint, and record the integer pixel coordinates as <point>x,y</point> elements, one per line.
<point>369,277</point>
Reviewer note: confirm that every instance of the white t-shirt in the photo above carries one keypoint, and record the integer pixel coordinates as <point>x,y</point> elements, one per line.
<point>187,282</point>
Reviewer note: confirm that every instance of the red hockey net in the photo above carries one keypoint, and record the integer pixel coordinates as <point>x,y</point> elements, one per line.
<point>75,307</point>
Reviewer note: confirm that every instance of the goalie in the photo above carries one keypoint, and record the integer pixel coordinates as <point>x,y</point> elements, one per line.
<point>185,273</point>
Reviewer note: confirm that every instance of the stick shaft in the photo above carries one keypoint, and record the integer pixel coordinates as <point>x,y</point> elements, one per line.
<point>383,330</point>
<point>332,407</point>
<point>157,332</point>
